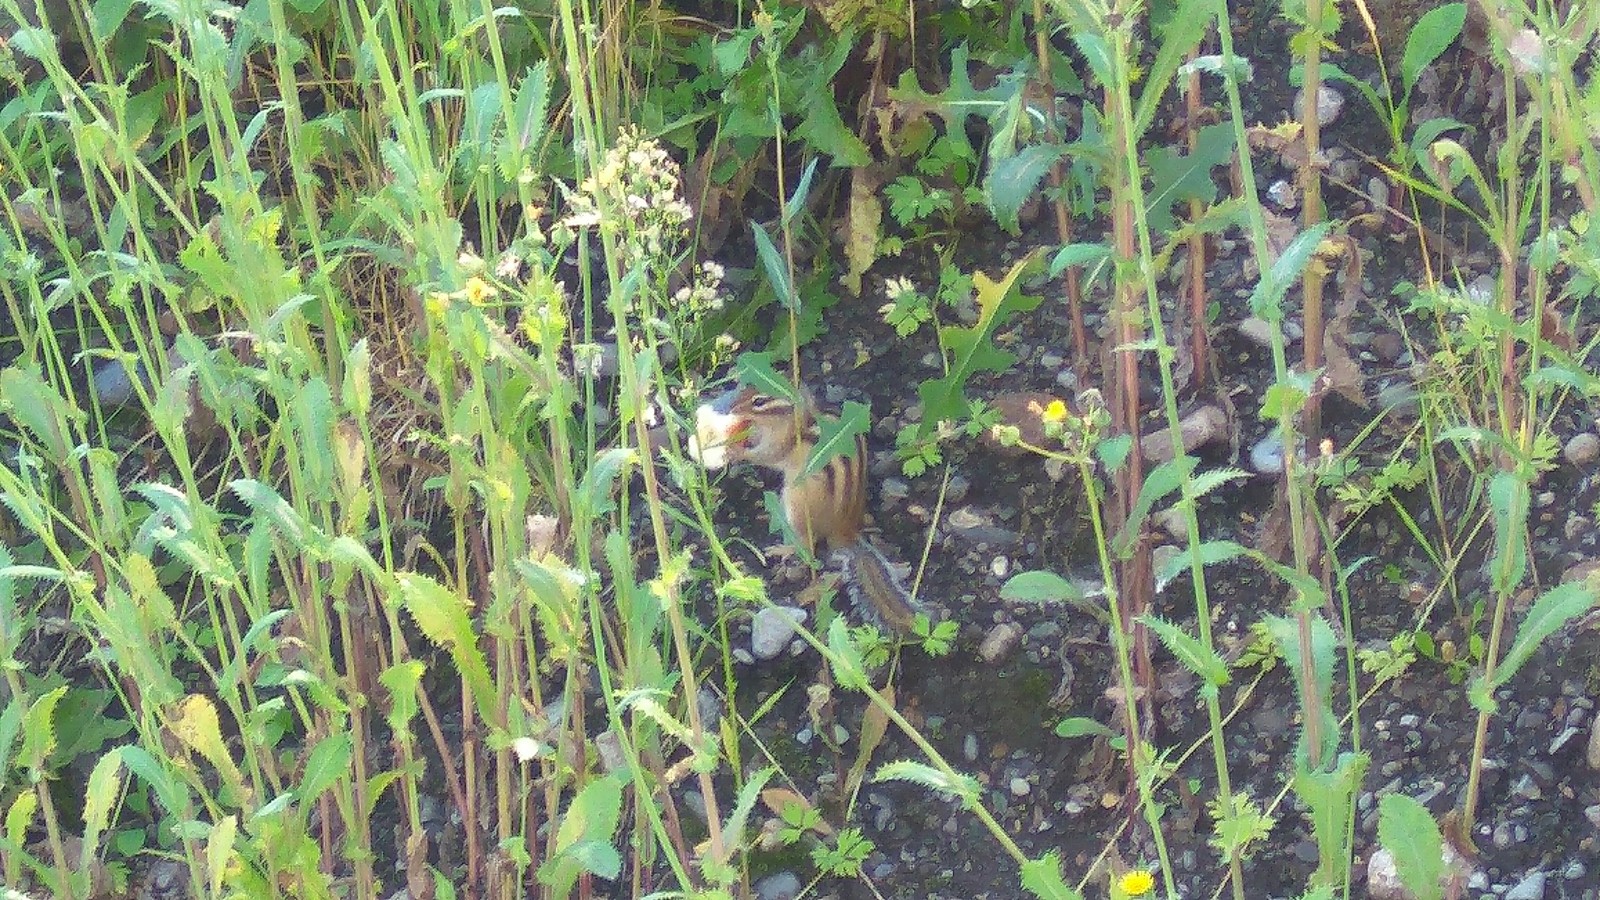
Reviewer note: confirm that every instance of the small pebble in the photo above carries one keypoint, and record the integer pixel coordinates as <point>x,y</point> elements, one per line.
<point>999,642</point>
<point>969,747</point>
<point>1529,888</point>
<point>1019,786</point>
<point>784,885</point>
<point>1583,448</point>
<point>771,628</point>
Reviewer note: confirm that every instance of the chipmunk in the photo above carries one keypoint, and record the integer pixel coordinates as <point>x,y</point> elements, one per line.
<point>827,506</point>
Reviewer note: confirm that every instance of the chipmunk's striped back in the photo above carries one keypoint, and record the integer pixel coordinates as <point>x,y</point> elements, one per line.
<point>826,507</point>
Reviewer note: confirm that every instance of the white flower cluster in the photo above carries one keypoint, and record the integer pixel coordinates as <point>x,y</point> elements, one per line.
<point>705,293</point>
<point>637,191</point>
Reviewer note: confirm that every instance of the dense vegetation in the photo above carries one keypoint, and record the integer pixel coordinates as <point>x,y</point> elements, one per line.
<point>350,545</point>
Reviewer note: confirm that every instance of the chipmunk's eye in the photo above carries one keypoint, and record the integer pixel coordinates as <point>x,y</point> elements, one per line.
<point>762,403</point>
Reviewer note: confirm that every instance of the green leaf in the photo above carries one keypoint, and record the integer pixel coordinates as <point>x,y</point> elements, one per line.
<point>962,787</point>
<point>1078,255</point>
<point>838,437</point>
<point>1013,181</point>
<point>39,732</point>
<point>442,618</point>
<point>1195,656</point>
<point>328,761</point>
<point>1040,587</point>
<point>1177,177</point>
<point>583,841</point>
<point>1509,499</point>
<point>772,263</point>
<point>1433,34</point>
<point>973,349</point>
<point>1330,796</point>
<point>1267,299</point>
<point>594,491</point>
<point>849,669</point>
<point>40,410</point>
<point>797,198</point>
<point>1042,878</point>
<point>1211,553</point>
<point>268,504</point>
<point>1079,726</point>
<point>1406,830</point>
<point>101,796</point>
<point>1554,609</point>
<point>1163,480</point>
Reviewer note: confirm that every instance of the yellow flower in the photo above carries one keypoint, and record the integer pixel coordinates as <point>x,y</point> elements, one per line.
<point>1055,412</point>
<point>478,290</point>
<point>1138,882</point>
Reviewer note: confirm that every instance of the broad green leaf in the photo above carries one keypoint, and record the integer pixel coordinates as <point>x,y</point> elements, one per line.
<point>1330,796</point>
<point>39,731</point>
<point>1407,830</point>
<point>1040,587</point>
<point>1077,255</point>
<point>973,349</point>
<point>328,761</point>
<point>267,503</point>
<point>1014,181</point>
<point>1178,177</point>
<point>1554,609</point>
<point>99,799</point>
<point>587,825</point>
<point>756,370</point>
<point>797,197</point>
<point>1509,499</point>
<point>40,410</point>
<point>198,726</point>
<point>594,491</point>
<point>1433,34</point>
<point>219,851</point>
<point>1163,480</point>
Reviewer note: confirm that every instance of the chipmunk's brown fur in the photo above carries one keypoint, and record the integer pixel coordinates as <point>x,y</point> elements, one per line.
<point>826,507</point>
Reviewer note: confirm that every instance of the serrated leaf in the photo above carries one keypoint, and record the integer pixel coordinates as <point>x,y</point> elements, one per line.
<point>756,370</point>
<point>102,795</point>
<point>748,795</point>
<point>594,490</point>
<point>1407,830</point>
<point>1042,878</point>
<point>1330,796</point>
<point>39,731</point>
<point>1014,181</point>
<point>1211,553</point>
<point>849,669</point>
<point>1509,499</point>
<point>962,787</point>
<point>1205,482</point>
<point>1553,610</point>
<point>442,618</point>
<point>838,437</point>
<point>589,820</point>
<point>267,503</point>
<point>1195,656</point>
<point>39,409</point>
<point>195,722</point>
<point>1178,177</point>
<point>1266,300</point>
<point>219,851</point>
<point>1078,255</point>
<point>1040,587</point>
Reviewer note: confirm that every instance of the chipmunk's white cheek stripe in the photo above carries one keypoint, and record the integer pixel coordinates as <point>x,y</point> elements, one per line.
<point>709,444</point>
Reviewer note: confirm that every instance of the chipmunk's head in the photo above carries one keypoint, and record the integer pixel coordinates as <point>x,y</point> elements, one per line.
<point>751,425</point>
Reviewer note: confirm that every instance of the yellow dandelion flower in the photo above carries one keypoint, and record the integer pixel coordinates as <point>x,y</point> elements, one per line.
<point>1055,411</point>
<point>1138,882</point>
<point>478,290</point>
